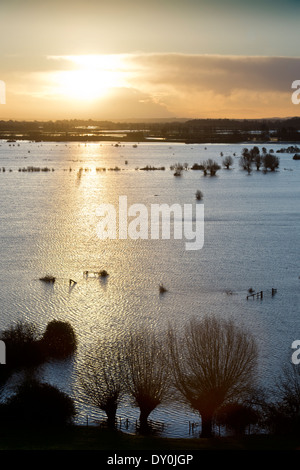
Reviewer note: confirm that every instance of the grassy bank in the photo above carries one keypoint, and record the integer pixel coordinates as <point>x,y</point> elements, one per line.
<point>92,438</point>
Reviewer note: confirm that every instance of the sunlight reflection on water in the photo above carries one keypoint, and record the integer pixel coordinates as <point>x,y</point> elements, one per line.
<point>48,226</point>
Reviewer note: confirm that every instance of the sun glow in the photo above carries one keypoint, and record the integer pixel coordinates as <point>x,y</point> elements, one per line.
<point>91,76</point>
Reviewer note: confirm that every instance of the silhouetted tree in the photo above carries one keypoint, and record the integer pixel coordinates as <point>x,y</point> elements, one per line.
<point>38,403</point>
<point>202,167</point>
<point>22,345</point>
<point>246,161</point>
<point>227,162</point>
<point>213,362</point>
<point>212,167</point>
<point>59,340</point>
<point>270,162</point>
<point>147,373</point>
<point>237,417</point>
<point>102,379</point>
<point>209,166</point>
<point>258,160</point>
<point>282,413</point>
<point>254,152</point>
<point>177,168</point>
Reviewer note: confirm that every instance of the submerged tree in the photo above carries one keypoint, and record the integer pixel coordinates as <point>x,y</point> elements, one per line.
<point>178,169</point>
<point>199,195</point>
<point>228,162</point>
<point>270,162</point>
<point>59,340</point>
<point>213,362</point>
<point>209,166</point>
<point>254,152</point>
<point>22,345</point>
<point>246,161</point>
<point>101,379</point>
<point>147,373</point>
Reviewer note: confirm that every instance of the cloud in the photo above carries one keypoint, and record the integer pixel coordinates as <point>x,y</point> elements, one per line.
<point>220,74</point>
<point>218,86</point>
<point>164,85</point>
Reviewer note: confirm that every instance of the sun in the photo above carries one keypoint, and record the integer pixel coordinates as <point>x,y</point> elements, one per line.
<point>85,84</point>
<point>91,77</point>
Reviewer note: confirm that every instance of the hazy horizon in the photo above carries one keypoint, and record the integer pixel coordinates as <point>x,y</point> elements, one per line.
<point>151,120</point>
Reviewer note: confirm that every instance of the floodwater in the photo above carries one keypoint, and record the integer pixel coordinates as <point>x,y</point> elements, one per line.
<point>49,226</point>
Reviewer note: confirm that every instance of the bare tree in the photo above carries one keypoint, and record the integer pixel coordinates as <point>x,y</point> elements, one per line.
<point>246,162</point>
<point>210,166</point>
<point>258,159</point>
<point>178,168</point>
<point>213,362</point>
<point>101,379</point>
<point>282,410</point>
<point>227,162</point>
<point>146,373</point>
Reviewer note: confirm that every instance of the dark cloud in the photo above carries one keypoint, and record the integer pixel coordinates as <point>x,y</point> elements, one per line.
<point>220,74</point>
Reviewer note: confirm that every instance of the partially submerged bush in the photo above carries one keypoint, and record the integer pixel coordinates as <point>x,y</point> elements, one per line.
<point>209,166</point>
<point>48,278</point>
<point>270,162</point>
<point>199,195</point>
<point>162,288</point>
<point>103,273</point>
<point>177,168</point>
<point>196,166</point>
<point>152,168</point>
<point>59,340</point>
<point>22,345</point>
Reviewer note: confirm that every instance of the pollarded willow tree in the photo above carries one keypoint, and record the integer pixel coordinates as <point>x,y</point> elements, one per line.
<point>213,362</point>
<point>147,373</point>
<point>209,166</point>
<point>228,162</point>
<point>101,379</point>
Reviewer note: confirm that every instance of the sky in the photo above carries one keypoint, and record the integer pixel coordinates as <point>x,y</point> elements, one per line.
<point>138,59</point>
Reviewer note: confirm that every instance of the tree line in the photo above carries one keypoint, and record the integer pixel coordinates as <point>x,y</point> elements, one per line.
<point>180,130</point>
